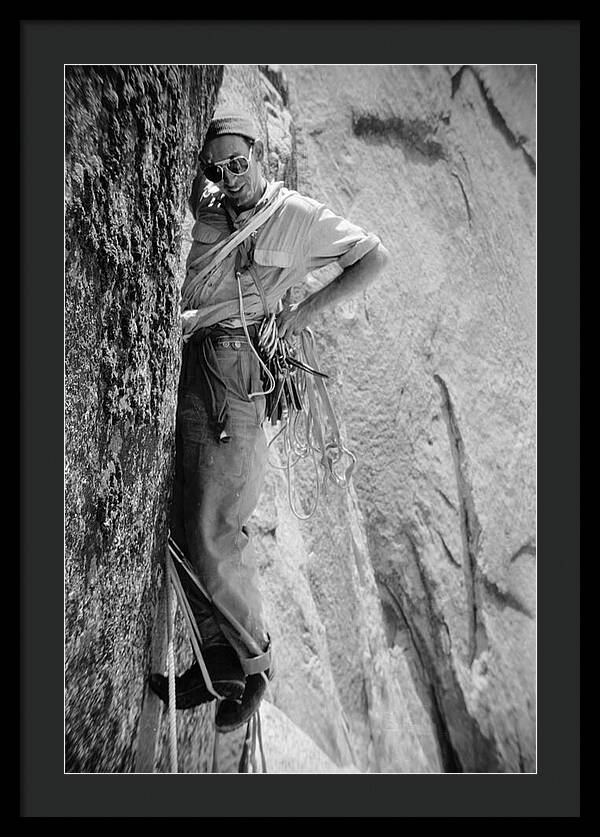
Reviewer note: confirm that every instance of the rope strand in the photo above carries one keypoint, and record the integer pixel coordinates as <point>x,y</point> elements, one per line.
<point>260,743</point>
<point>171,611</point>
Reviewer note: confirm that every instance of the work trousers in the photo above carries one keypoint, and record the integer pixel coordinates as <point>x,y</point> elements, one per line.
<point>220,461</point>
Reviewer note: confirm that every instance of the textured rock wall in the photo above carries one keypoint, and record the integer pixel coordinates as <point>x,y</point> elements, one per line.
<point>131,136</point>
<point>434,375</point>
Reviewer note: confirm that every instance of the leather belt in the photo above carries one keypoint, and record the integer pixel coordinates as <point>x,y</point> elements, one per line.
<point>230,343</point>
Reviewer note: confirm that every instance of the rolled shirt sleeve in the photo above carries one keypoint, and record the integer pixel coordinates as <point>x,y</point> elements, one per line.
<point>333,238</point>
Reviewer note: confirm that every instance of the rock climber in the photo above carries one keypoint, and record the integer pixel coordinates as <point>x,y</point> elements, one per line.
<point>220,440</point>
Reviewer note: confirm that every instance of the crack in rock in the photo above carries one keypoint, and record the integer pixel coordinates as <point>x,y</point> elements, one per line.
<point>527,549</point>
<point>514,140</point>
<point>456,79</point>
<point>466,200</point>
<point>504,598</point>
<point>449,756</point>
<point>470,527</point>
<point>399,611</point>
<point>462,745</point>
<point>274,74</point>
<point>449,555</point>
<point>445,499</point>
<point>522,766</point>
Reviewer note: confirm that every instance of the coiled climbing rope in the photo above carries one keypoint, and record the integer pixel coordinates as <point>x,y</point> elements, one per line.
<point>309,428</point>
<point>296,397</point>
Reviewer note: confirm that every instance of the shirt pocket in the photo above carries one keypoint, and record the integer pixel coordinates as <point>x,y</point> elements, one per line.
<point>273,258</point>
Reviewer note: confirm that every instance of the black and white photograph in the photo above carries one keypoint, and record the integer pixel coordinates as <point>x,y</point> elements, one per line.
<point>300,418</point>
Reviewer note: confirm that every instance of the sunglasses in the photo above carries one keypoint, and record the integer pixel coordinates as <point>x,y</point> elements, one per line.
<point>236,165</point>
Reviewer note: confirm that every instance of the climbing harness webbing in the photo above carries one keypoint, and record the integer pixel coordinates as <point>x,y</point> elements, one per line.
<point>190,622</point>
<point>219,252</point>
<point>223,248</point>
<point>261,657</point>
<point>173,582</point>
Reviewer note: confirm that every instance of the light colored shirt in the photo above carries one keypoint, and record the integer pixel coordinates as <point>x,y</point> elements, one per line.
<point>302,242</point>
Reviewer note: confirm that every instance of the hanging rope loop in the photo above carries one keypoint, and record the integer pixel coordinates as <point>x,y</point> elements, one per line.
<point>300,403</point>
<point>176,597</point>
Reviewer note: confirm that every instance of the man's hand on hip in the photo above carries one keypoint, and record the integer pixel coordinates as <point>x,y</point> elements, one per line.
<point>292,320</point>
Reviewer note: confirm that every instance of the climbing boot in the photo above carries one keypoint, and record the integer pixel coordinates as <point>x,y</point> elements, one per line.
<point>231,714</point>
<point>227,676</point>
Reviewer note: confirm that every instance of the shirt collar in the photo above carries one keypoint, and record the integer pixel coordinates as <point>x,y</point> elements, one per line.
<point>271,189</point>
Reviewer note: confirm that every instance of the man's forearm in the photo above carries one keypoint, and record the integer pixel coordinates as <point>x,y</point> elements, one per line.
<point>354,279</point>
<point>292,320</point>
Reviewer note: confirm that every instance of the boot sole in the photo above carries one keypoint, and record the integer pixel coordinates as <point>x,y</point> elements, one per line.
<point>228,689</point>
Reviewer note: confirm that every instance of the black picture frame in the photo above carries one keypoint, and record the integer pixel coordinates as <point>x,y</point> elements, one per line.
<point>45,47</point>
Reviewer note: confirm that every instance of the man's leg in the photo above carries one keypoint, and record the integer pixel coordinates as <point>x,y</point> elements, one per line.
<point>222,484</point>
<point>202,609</point>
<point>227,676</point>
<point>216,489</point>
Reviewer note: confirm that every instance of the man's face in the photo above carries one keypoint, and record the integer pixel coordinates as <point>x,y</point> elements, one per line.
<point>242,190</point>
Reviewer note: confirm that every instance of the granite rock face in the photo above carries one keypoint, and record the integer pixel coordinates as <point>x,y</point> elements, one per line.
<point>435,376</point>
<point>287,749</point>
<point>131,137</point>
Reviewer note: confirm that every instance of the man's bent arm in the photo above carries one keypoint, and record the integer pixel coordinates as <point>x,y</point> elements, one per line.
<point>354,279</point>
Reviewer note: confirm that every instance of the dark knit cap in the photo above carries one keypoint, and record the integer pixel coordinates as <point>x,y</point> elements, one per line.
<point>229,121</point>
